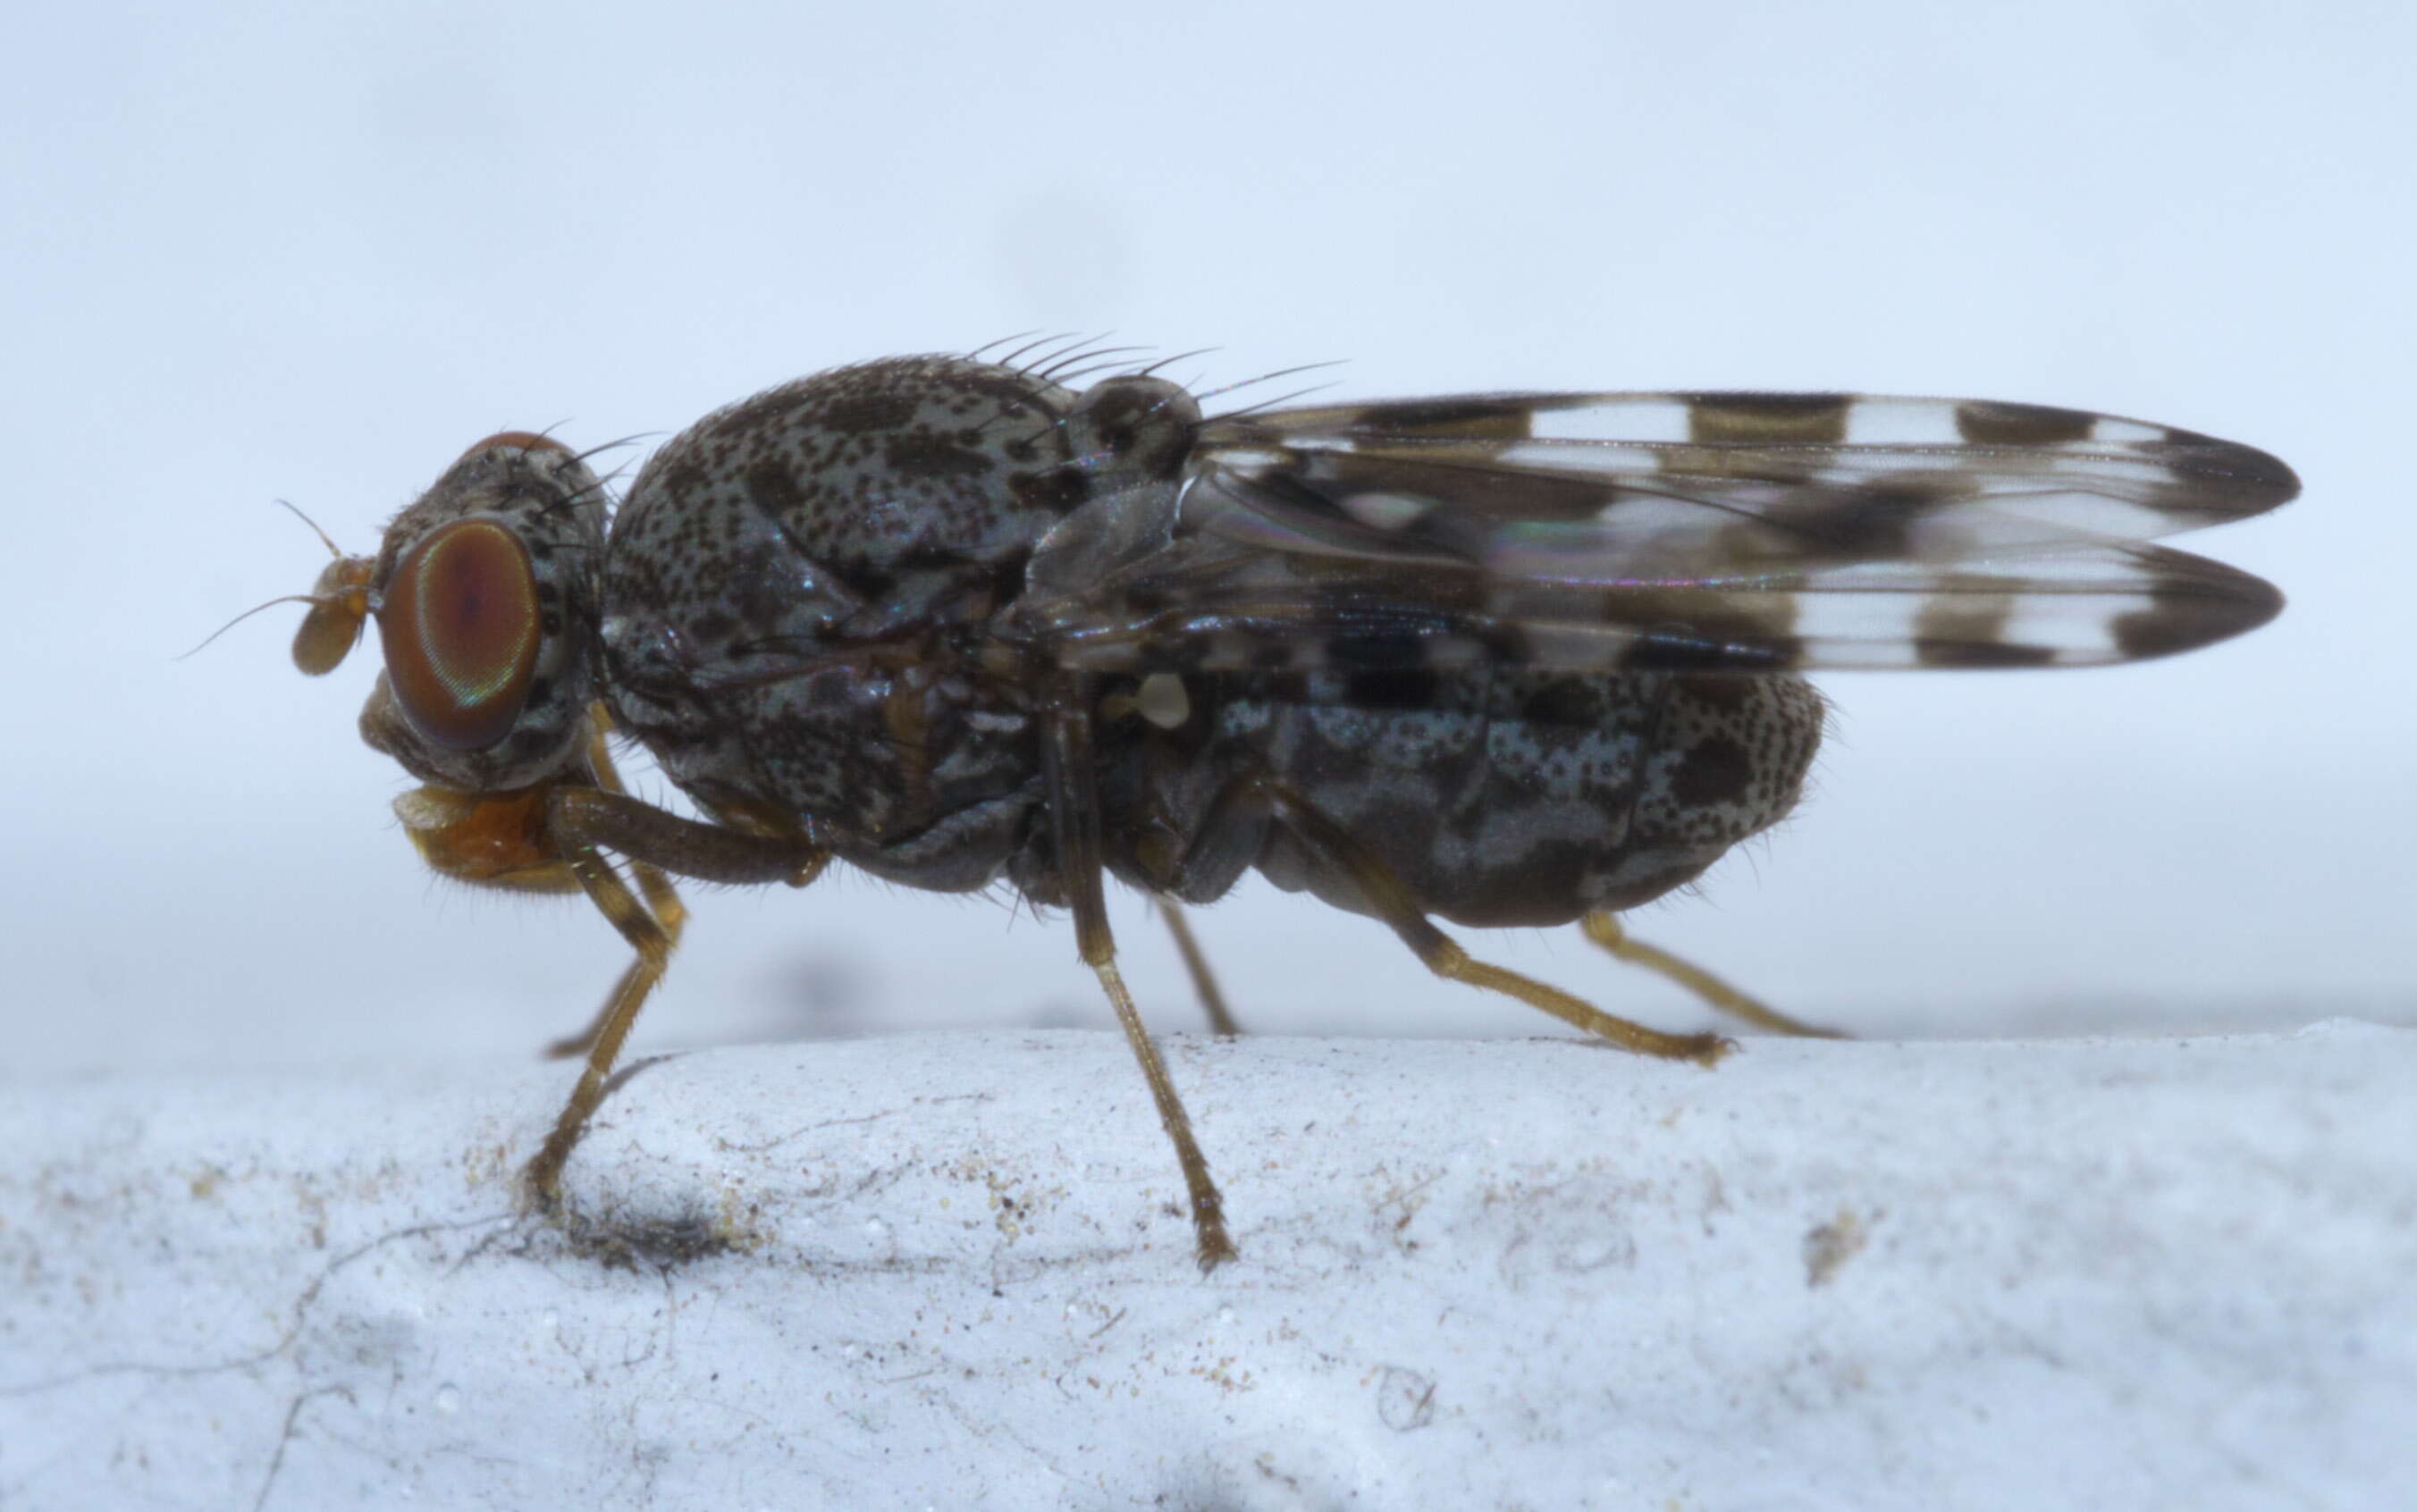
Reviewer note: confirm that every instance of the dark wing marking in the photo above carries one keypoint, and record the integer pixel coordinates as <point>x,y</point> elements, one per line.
<point>1720,532</point>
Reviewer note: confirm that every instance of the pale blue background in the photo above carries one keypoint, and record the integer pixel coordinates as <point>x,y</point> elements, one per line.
<point>309,252</point>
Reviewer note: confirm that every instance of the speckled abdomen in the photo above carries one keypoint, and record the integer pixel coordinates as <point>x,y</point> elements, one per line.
<point>1496,797</point>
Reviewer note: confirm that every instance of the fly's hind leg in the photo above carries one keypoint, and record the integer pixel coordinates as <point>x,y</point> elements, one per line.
<point>1606,931</point>
<point>1393,903</point>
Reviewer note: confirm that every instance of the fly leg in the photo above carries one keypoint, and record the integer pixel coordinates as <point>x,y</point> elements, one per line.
<point>1074,814</point>
<point>583,823</point>
<point>662,898</point>
<point>1393,903</point>
<point>1204,981</point>
<point>1606,931</point>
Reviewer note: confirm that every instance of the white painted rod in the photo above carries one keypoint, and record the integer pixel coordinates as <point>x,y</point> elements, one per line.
<point>952,1271</point>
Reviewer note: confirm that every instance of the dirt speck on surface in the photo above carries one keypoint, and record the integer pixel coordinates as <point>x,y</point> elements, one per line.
<point>1829,1246</point>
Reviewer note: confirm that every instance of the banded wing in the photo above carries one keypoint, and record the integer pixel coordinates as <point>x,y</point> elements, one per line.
<point>1712,532</point>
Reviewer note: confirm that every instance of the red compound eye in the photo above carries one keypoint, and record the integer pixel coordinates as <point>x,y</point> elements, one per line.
<point>460,627</point>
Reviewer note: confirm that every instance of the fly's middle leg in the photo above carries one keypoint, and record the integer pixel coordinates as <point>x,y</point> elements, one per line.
<point>1070,763</point>
<point>1204,981</point>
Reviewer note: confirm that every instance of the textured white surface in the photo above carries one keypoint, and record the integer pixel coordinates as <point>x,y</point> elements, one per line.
<point>944,1270</point>
<point>261,250</point>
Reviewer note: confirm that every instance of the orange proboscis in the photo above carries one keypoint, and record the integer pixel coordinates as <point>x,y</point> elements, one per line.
<point>496,840</point>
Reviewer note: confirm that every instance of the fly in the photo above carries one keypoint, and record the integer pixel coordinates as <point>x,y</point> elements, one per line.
<point>1502,659</point>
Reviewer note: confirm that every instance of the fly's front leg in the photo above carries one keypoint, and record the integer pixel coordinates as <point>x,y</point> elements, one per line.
<point>555,838</point>
<point>1074,814</point>
<point>583,824</point>
<point>653,943</point>
<point>1393,903</point>
<point>1607,931</point>
<point>662,898</point>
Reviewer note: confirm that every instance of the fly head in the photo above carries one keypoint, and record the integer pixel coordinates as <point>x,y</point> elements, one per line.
<point>484,593</point>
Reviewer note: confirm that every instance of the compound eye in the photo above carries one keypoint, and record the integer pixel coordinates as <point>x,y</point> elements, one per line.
<point>460,627</point>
